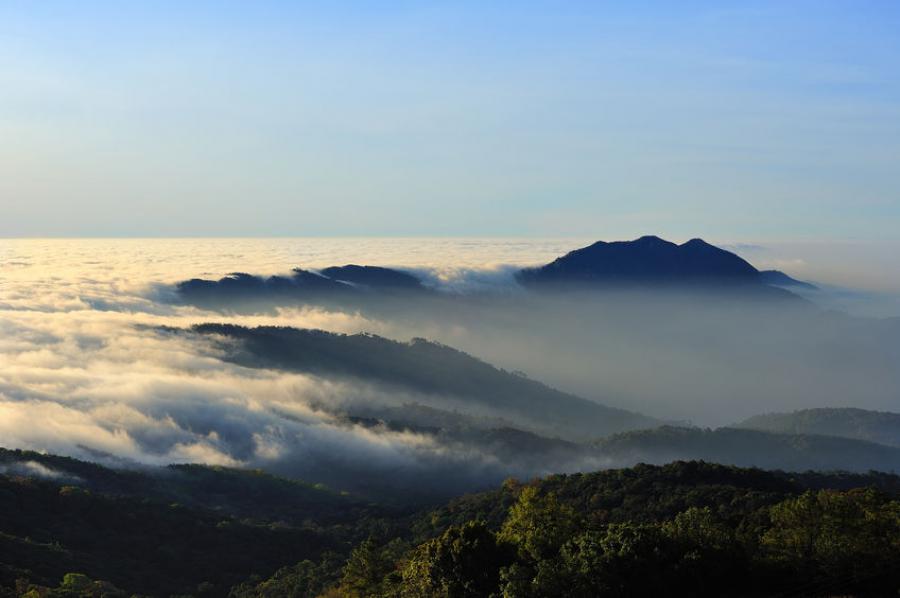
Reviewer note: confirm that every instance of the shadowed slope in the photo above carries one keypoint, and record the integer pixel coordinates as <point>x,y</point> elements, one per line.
<point>428,368</point>
<point>651,261</point>
<point>749,448</point>
<point>875,426</point>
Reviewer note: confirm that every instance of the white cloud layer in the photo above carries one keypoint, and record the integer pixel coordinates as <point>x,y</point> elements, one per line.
<point>85,372</point>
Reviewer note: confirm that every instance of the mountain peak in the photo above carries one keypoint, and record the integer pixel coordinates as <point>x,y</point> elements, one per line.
<point>649,240</point>
<point>646,260</point>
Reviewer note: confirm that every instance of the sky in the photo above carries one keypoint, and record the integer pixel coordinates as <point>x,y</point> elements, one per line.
<point>723,120</point>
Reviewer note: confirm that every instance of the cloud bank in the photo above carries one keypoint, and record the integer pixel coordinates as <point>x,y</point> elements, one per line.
<point>86,372</point>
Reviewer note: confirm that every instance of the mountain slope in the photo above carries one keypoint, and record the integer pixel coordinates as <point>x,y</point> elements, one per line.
<point>138,538</point>
<point>645,260</point>
<point>451,376</point>
<point>874,426</point>
<point>373,277</point>
<point>780,279</point>
<point>340,284</point>
<point>749,448</point>
<point>651,261</point>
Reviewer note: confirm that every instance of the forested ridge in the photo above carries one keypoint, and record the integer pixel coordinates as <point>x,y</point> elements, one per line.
<point>688,527</point>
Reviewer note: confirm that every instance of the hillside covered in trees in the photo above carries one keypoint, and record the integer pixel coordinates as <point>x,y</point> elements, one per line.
<point>75,529</point>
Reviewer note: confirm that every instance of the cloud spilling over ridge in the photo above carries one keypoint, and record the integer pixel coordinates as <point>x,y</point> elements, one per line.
<point>33,469</point>
<point>709,355</point>
<point>85,372</point>
<point>93,385</point>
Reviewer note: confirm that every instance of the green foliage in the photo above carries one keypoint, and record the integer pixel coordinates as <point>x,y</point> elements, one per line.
<point>538,524</point>
<point>692,529</point>
<point>845,539</point>
<point>73,585</point>
<point>684,529</point>
<point>698,527</point>
<point>365,570</point>
<point>463,562</point>
<point>140,545</point>
<point>304,579</point>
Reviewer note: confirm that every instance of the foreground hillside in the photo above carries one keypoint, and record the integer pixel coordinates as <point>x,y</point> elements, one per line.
<point>685,529</point>
<point>185,530</point>
<point>688,527</point>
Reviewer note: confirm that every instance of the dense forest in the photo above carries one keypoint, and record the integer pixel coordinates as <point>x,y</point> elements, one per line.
<point>76,529</point>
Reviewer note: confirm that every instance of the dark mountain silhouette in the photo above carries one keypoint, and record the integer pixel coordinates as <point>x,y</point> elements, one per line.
<point>749,448</point>
<point>429,368</point>
<point>342,285</point>
<point>645,262</point>
<point>875,426</point>
<point>780,279</point>
<point>374,277</point>
<point>235,492</point>
<point>651,261</point>
<point>241,287</point>
<point>516,450</point>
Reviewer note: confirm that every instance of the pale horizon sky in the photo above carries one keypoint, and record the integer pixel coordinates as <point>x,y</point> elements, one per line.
<point>739,121</point>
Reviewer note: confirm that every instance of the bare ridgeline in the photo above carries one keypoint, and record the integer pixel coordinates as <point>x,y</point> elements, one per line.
<point>688,425</point>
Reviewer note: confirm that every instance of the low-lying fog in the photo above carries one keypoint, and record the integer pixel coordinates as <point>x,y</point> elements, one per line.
<point>85,372</point>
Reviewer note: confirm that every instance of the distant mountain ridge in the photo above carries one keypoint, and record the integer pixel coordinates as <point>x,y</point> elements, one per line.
<point>337,283</point>
<point>780,279</point>
<point>749,448</point>
<point>882,427</point>
<point>649,260</point>
<point>374,277</point>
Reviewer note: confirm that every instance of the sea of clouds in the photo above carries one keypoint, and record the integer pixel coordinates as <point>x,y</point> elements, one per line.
<point>85,370</point>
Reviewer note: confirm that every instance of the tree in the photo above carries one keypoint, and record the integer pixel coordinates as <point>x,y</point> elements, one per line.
<point>365,570</point>
<point>538,525</point>
<point>464,561</point>
<point>847,540</point>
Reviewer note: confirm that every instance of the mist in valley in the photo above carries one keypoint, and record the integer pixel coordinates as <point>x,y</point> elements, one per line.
<point>115,369</point>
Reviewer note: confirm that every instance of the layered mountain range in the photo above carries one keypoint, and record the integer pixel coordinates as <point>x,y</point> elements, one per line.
<point>647,261</point>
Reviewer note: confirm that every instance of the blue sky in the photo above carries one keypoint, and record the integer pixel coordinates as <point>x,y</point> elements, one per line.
<point>744,120</point>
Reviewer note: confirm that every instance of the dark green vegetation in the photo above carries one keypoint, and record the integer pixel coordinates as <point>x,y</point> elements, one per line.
<point>689,528</point>
<point>875,426</point>
<point>425,367</point>
<point>177,530</point>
